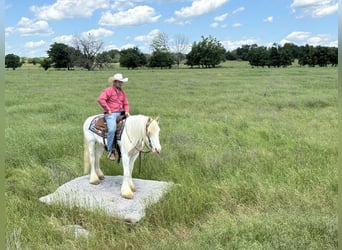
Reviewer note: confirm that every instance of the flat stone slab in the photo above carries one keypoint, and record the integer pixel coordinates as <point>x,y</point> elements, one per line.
<point>106,196</point>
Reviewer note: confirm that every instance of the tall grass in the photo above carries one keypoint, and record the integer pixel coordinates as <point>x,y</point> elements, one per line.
<point>253,149</point>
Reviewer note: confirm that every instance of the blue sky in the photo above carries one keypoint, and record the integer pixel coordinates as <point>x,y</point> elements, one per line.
<point>32,26</point>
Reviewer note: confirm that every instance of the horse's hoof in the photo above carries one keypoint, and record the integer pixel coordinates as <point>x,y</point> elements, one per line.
<point>101,177</point>
<point>95,182</point>
<point>128,195</point>
<point>132,187</point>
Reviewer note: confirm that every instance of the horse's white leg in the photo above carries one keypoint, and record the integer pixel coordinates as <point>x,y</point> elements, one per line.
<point>131,167</point>
<point>94,179</point>
<point>86,157</point>
<point>126,191</point>
<point>99,152</point>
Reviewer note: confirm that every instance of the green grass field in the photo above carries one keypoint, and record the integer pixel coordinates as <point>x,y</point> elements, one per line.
<point>253,149</point>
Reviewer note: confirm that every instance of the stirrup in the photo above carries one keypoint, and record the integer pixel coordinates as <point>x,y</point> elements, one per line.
<point>111,156</point>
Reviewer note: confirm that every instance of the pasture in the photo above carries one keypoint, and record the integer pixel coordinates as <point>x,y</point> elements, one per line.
<point>253,149</point>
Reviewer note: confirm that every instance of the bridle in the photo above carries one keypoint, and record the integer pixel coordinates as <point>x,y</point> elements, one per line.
<point>149,144</point>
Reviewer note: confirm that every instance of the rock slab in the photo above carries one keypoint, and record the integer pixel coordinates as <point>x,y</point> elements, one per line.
<point>106,196</point>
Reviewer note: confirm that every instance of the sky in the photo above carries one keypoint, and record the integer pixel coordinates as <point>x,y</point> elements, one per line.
<point>31,27</point>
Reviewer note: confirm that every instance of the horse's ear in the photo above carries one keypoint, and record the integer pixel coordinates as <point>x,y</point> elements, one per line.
<point>157,119</point>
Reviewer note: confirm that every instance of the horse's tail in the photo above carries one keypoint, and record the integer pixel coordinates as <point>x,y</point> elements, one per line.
<point>86,157</point>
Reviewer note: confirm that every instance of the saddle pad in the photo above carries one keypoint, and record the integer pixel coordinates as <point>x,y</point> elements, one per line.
<point>93,128</point>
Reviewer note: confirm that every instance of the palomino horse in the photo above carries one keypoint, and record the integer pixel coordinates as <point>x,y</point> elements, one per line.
<point>138,130</point>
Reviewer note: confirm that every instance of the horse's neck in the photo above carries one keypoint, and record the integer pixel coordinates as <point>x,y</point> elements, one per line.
<point>136,127</point>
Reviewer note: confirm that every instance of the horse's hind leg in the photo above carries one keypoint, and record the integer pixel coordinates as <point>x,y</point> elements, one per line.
<point>99,152</point>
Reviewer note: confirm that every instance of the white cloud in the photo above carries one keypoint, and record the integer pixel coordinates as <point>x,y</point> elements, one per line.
<point>98,33</point>
<point>173,20</point>
<point>221,18</point>
<point>240,9</point>
<point>135,16</point>
<point>66,39</point>
<point>315,8</point>
<point>147,38</point>
<point>111,47</point>
<point>199,7</point>
<point>214,25</point>
<point>236,25</point>
<point>63,9</point>
<point>127,46</point>
<point>268,19</point>
<point>32,45</point>
<point>231,45</point>
<point>298,35</point>
<point>302,38</point>
<point>29,27</point>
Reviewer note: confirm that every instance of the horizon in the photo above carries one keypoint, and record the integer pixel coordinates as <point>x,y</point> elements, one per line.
<point>31,28</point>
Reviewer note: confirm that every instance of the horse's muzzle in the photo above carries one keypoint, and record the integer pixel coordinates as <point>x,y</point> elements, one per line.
<point>156,150</point>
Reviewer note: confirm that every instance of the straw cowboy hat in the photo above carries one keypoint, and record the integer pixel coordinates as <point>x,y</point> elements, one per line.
<point>117,77</point>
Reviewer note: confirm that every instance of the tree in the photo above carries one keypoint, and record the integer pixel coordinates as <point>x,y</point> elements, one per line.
<point>194,56</point>
<point>160,42</point>
<point>12,61</point>
<point>88,48</point>
<point>61,55</point>
<point>180,47</point>
<point>161,55</point>
<point>132,58</point>
<point>162,59</point>
<point>103,60</point>
<point>333,56</point>
<point>114,55</point>
<point>208,53</point>
<point>273,57</point>
<point>242,53</point>
<point>46,63</point>
<point>258,56</point>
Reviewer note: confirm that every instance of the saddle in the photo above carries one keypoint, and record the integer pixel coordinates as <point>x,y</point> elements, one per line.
<point>101,129</point>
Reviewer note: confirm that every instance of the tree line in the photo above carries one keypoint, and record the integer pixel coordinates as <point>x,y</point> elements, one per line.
<point>282,56</point>
<point>87,52</point>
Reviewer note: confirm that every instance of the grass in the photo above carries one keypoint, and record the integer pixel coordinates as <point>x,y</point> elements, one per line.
<point>253,149</point>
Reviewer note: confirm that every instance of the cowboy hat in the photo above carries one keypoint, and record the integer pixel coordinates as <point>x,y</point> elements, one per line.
<point>117,77</point>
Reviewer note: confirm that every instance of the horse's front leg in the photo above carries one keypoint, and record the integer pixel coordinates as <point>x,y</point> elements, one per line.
<point>131,167</point>
<point>94,179</point>
<point>99,152</point>
<point>126,191</point>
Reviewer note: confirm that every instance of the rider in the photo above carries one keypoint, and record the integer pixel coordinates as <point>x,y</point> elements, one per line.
<point>113,100</point>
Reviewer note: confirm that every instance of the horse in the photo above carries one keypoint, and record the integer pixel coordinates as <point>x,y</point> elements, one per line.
<point>138,130</point>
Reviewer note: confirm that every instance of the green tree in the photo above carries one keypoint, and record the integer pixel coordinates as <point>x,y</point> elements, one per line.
<point>193,58</point>
<point>208,53</point>
<point>46,63</point>
<point>162,59</point>
<point>333,56</point>
<point>114,55</point>
<point>132,58</point>
<point>258,56</point>
<point>61,55</point>
<point>12,61</point>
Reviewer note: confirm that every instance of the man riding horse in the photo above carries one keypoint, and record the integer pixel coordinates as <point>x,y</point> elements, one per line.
<point>113,101</point>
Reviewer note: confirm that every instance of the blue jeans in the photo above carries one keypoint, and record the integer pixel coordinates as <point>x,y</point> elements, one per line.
<point>111,124</point>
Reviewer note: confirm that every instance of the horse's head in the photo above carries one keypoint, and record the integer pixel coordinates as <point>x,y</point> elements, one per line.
<point>153,134</point>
